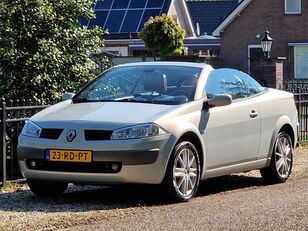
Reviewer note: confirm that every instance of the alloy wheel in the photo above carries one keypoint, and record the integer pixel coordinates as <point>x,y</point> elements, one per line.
<point>283,156</point>
<point>185,172</point>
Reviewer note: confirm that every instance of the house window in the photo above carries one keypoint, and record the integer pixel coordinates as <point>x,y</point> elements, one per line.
<point>293,6</point>
<point>300,62</point>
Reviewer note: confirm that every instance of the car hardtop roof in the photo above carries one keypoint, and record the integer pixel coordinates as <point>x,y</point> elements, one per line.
<point>183,64</point>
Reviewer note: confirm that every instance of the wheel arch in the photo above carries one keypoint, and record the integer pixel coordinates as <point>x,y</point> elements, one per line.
<point>282,125</point>
<point>193,138</point>
<point>287,128</point>
<point>272,174</point>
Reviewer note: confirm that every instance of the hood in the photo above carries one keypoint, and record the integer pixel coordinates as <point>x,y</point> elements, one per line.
<point>107,113</point>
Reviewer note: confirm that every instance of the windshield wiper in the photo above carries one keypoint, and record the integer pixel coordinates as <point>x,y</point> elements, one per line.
<point>131,99</point>
<point>125,99</point>
<point>83,100</point>
<point>122,99</point>
<point>79,100</point>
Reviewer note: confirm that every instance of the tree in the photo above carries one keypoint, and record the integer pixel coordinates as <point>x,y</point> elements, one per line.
<point>43,50</point>
<point>162,36</point>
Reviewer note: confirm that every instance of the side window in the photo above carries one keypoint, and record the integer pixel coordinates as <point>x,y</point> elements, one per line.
<point>225,81</point>
<point>233,82</point>
<point>251,85</point>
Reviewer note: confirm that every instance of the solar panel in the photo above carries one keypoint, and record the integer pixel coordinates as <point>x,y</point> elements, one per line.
<point>99,20</point>
<point>131,21</point>
<point>114,20</point>
<point>120,4</point>
<point>137,4</point>
<point>147,14</point>
<point>155,4</point>
<point>103,4</point>
<point>124,15</point>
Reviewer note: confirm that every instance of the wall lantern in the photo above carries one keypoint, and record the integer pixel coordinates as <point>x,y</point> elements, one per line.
<point>266,43</point>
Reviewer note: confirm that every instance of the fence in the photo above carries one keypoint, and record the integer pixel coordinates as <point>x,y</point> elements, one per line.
<point>301,100</point>
<point>299,87</point>
<point>296,85</point>
<point>12,117</point>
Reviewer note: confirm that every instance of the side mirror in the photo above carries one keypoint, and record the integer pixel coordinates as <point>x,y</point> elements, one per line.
<point>67,95</point>
<point>218,100</point>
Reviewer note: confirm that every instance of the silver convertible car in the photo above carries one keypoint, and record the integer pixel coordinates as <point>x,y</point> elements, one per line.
<point>166,123</point>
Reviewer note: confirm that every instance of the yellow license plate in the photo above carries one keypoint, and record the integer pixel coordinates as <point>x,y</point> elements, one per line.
<point>69,155</point>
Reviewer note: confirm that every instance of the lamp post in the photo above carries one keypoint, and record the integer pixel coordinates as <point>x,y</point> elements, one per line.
<point>266,43</point>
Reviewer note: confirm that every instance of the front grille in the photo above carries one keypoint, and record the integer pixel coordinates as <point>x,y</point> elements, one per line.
<point>93,167</point>
<point>51,133</point>
<point>97,134</point>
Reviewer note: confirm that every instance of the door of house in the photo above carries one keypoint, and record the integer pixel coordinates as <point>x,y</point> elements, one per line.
<point>255,53</point>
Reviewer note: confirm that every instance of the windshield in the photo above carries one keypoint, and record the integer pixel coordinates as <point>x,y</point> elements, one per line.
<point>160,84</point>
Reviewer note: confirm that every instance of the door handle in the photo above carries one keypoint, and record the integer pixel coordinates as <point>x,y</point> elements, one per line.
<point>253,114</point>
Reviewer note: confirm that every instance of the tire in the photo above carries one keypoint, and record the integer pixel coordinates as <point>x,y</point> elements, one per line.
<point>182,176</point>
<point>280,167</point>
<point>46,188</point>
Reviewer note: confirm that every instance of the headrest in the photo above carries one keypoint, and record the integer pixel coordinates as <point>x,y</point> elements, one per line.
<point>155,82</point>
<point>187,81</point>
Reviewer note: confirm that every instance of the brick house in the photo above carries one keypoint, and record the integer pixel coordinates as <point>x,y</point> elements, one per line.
<point>287,22</point>
<point>124,20</point>
<point>206,15</point>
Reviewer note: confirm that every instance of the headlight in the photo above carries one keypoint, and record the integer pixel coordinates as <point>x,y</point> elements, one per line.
<point>138,131</point>
<point>31,129</point>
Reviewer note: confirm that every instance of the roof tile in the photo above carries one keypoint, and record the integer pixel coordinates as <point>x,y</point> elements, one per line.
<point>209,13</point>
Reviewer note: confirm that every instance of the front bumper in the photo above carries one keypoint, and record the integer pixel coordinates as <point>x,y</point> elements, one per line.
<point>137,157</point>
<point>141,161</point>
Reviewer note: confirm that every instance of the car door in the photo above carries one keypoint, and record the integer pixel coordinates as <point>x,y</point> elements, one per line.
<point>232,133</point>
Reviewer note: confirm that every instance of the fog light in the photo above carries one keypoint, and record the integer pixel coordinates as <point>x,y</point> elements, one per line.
<point>32,164</point>
<point>115,167</point>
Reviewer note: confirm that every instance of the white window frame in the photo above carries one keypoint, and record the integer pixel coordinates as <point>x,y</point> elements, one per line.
<point>295,64</point>
<point>288,12</point>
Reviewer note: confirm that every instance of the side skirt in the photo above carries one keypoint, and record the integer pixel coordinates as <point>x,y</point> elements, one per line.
<point>242,167</point>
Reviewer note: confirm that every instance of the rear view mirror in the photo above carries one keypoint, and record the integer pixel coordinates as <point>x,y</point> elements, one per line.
<point>67,95</point>
<point>218,100</point>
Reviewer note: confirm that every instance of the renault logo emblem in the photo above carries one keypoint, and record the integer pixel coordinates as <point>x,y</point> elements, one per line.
<point>70,136</point>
